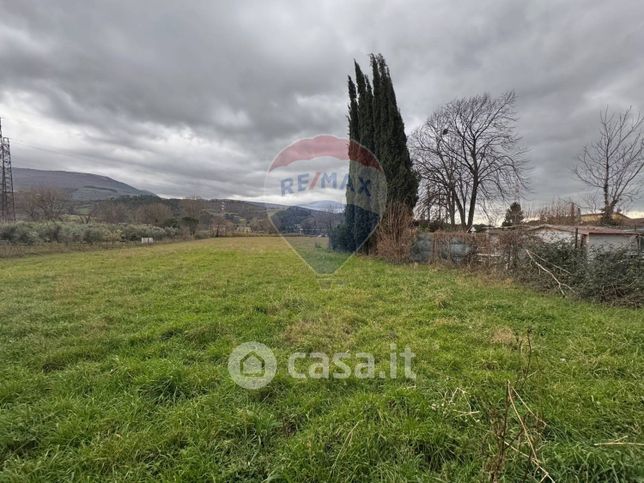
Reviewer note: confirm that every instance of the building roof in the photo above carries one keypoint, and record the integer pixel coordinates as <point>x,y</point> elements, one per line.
<point>584,229</point>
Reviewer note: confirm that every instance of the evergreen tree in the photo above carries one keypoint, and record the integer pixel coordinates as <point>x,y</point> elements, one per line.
<point>345,237</point>
<point>365,219</point>
<point>375,122</point>
<point>514,215</point>
<point>391,144</point>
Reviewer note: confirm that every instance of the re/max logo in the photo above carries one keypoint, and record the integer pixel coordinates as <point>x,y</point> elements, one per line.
<point>304,182</point>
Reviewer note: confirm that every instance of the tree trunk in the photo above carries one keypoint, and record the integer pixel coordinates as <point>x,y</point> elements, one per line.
<point>470,215</point>
<point>607,216</point>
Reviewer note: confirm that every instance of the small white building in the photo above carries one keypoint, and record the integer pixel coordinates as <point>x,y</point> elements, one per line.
<point>593,238</point>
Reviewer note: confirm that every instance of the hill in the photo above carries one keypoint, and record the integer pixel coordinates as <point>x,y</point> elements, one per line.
<point>81,186</point>
<point>328,206</point>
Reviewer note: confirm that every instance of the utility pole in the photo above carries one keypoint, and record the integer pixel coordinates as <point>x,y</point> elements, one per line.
<point>7,201</point>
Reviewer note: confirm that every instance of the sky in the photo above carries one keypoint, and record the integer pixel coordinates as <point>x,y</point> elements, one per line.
<point>195,98</point>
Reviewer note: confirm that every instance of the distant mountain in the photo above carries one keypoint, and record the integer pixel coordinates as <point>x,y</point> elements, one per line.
<point>81,186</point>
<point>328,206</point>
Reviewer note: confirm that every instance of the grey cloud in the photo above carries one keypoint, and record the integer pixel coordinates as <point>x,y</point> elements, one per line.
<point>194,97</point>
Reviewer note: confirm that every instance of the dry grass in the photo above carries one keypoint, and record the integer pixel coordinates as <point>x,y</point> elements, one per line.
<point>395,234</point>
<point>317,335</point>
<point>506,336</point>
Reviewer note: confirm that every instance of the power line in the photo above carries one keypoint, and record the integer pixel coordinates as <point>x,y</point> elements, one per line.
<point>59,152</point>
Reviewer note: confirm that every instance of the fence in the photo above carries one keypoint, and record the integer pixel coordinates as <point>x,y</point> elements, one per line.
<point>451,247</point>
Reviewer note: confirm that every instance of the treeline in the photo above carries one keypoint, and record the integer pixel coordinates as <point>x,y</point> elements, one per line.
<point>298,220</point>
<point>189,216</point>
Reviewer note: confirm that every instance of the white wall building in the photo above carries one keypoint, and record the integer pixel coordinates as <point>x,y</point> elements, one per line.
<point>594,238</point>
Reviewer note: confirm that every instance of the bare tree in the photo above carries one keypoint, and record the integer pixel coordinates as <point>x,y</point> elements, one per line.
<point>43,203</point>
<point>221,225</point>
<point>469,154</point>
<point>153,214</point>
<point>111,211</point>
<point>192,207</point>
<point>437,169</point>
<point>614,162</point>
<point>559,212</point>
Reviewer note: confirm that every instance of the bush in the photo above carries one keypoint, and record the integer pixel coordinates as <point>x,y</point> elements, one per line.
<point>395,234</point>
<point>136,232</point>
<point>20,233</point>
<point>203,234</point>
<point>341,239</point>
<point>48,232</point>
<point>72,233</point>
<point>614,277</point>
<point>96,234</point>
<point>33,233</point>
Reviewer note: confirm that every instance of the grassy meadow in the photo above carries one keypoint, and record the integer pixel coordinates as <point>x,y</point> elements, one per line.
<point>113,366</point>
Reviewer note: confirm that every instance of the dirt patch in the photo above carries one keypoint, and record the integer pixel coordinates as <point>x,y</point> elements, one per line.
<point>508,337</point>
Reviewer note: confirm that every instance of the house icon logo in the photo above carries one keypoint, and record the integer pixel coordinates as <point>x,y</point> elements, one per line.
<point>252,365</point>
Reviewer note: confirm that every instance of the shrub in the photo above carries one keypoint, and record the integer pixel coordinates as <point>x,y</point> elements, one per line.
<point>610,276</point>
<point>48,232</point>
<point>341,239</point>
<point>72,233</point>
<point>136,232</point>
<point>28,236</point>
<point>203,234</point>
<point>32,233</point>
<point>395,234</point>
<point>96,234</point>
<point>614,277</point>
<point>19,233</point>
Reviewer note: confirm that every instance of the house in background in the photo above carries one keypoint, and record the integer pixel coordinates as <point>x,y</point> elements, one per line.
<point>638,224</point>
<point>491,243</point>
<point>593,238</point>
<point>594,218</point>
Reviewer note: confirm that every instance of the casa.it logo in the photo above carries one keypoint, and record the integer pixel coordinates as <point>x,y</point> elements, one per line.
<point>252,365</point>
<point>326,197</point>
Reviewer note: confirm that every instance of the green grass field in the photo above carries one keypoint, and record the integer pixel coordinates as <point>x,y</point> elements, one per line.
<point>113,365</point>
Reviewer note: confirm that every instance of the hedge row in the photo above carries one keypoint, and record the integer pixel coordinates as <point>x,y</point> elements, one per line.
<point>33,233</point>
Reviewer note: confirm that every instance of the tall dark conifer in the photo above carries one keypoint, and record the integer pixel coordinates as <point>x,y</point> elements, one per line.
<point>375,122</point>
<point>365,220</point>
<point>391,144</point>
<point>348,232</point>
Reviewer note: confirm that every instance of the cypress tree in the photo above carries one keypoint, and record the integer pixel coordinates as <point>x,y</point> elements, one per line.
<point>391,149</point>
<point>347,232</point>
<point>375,122</point>
<point>365,219</point>
<point>378,104</point>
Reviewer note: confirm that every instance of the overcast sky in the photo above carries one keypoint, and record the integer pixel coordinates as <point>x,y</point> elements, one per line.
<point>188,98</point>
